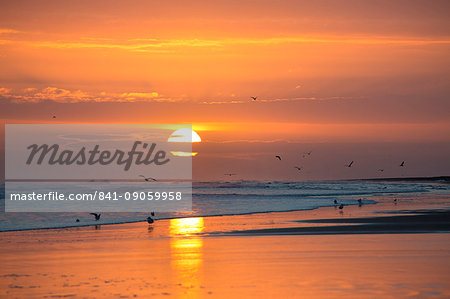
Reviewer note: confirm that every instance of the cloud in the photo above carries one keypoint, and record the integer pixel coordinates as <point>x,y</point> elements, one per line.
<point>35,95</point>
<point>61,95</point>
<point>170,45</point>
<point>6,31</point>
<point>154,45</point>
<point>215,102</point>
<point>136,45</point>
<point>296,99</point>
<point>149,95</point>
<point>4,91</point>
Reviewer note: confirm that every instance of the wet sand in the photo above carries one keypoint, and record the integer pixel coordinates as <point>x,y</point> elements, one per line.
<point>192,258</point>
<point>420,222</point>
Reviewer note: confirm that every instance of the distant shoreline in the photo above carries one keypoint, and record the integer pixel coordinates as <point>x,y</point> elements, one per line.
<point>443,179</point>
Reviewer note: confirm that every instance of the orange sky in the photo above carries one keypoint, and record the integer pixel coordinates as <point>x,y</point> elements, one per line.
<point>347,72</point>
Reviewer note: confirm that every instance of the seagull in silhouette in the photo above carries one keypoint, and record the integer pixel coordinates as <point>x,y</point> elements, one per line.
<point>97,216</point>
<point>254,98</point>
<point>278,157</point>
<point>350,165</point>
<point>335,202</point>
<point>402,164</point>
<point>78,220</point>
<point>147,179</point>
<point>150,220</point>
<point>306,154</point>
<point>54,116</point>
<point>380,170</point>
<point>229,174</point>
<point>341,206</point>
<point>360,201</point>
<point>298,168</point>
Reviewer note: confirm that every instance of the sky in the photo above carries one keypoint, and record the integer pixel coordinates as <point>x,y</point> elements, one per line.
<point>350,80</point>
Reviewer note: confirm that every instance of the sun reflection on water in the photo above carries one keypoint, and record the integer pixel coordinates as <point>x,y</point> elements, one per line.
<point>186,226</point>
<point>187,253</point>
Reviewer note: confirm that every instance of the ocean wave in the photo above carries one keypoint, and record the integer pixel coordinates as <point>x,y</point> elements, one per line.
<point>235,198</point>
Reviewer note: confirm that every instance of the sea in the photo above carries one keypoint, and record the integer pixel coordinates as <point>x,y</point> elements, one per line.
<point>236,198</point>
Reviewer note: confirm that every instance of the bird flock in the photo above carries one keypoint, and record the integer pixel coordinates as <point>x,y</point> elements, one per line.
<point>307,154</point>
<point>349,165</point>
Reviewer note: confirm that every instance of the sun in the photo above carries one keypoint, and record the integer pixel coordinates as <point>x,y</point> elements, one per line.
<point>184,135</point>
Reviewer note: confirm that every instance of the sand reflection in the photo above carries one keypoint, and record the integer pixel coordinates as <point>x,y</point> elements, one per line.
<point>187,253</point>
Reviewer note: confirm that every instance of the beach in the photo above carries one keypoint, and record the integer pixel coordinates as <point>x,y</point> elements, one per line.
<point>251,255</point>
<point>224,149</point>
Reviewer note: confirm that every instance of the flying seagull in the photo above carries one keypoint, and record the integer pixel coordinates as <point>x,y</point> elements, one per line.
<point>306,154</point>
<point>298,168</point>
<point>229,174</point>
<point>350,165</point>
<point>54,116</point>
<point>278,157</point>
<point>97,216</point>
<point>402,164</point>
<point>381,170</point>
<point>254,98</point>
<point>147,179</point>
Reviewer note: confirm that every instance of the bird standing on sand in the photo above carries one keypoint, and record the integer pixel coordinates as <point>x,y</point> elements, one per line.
<point>254,98</point>
<point>402,164</point>
<point>97,216</point>
<point>147,179</point>
<point>78,220</point>
<point>335,202</point>
<point>150,220</point>
<point>350,165</point>
<point>278,157</point>
<point>341,206</point>
<point>360,201</point>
